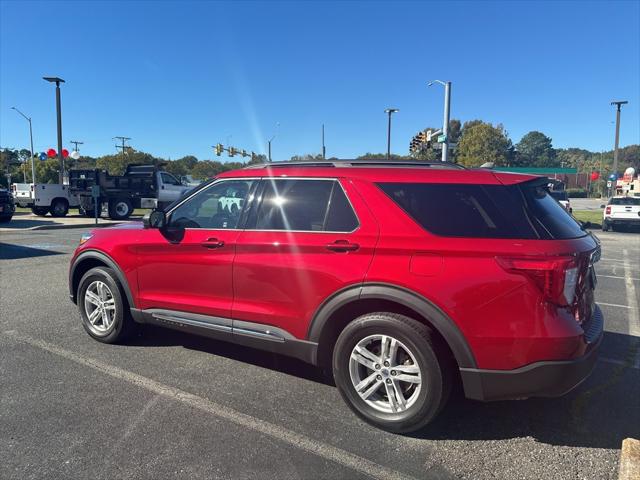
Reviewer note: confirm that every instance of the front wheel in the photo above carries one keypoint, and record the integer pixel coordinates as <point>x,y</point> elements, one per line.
<point>391,371</point>
<point>103,308</point>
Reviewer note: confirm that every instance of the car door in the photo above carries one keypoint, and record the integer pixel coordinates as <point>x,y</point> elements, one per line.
<point>305,239</point>
<point>187,266</point>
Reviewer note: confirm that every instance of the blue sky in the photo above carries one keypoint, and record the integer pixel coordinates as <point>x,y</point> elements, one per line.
<point>179,77</point>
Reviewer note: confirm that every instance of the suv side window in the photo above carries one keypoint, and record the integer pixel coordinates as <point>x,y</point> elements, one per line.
<point>216,207</point>
<point>304,205</point>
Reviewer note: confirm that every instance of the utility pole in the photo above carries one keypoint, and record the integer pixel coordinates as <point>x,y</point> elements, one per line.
<point>58,81</point>
<point>389,111</point>
<point>76,143</point>
<point>618,104</point>
<point>324,150</point>
<point>123,146</point>
<point>445,122</point>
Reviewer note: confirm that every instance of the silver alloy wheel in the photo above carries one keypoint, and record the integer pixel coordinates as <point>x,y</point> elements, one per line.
<point>100,307</point>
<point>122,208</point>
<point>385,373</point>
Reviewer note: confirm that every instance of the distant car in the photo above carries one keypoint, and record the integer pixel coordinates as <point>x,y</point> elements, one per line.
<point>562,198</point>
<point>621,211</point>
<point>7,206</point>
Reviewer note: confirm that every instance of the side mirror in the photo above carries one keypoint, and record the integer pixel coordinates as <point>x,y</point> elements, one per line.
<point>155,219</point>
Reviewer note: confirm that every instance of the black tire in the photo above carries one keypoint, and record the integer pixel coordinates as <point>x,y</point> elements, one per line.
<point>431,358</point>
<point>59,208</point>
<point>40,211</point>
<point>122,325</point>
<point>120,208</point>
<point>5,218</point>
<point>605,226</point>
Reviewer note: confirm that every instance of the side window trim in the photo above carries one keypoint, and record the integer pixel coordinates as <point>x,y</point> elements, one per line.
<point>247,205</point>
<point>252,217</point>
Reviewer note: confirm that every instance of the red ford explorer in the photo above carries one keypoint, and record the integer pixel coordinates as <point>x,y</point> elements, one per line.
<point>399,278</point>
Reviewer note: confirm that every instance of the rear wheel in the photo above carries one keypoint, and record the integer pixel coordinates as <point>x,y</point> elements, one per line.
<point>120,209</point>
<point>40,211</point>
<point>103,308</point>
<point>5,218</point>
<point>59,207</point>
<point>605,226</point>
<point>391,371</point>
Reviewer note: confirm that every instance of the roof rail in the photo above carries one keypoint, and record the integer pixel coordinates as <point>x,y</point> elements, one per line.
<point>360,162</point>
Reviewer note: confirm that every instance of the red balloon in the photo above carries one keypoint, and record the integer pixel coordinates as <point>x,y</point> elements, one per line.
<point>51,153</point>
<point>595,176</point>
<point>65,153</point>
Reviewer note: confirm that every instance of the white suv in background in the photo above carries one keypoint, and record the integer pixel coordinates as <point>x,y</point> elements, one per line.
<point>621,211</point>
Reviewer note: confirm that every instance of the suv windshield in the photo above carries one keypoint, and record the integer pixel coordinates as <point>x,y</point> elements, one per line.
<point>524,211</point>
<point>625,201</point>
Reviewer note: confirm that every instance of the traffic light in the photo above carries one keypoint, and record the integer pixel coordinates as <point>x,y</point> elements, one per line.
<point>244,153</point>
<point>232,151</point>
<point>219,149</point>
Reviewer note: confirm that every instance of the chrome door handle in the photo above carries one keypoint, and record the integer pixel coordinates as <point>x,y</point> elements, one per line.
<point>342,246</point>
<point>212,243</point>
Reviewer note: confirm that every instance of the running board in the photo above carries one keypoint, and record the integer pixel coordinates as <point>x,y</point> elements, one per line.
<point>257,335</point>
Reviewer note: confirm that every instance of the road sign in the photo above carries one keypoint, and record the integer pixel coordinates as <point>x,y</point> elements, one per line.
<point>609,184</point>
<point>442,138</point>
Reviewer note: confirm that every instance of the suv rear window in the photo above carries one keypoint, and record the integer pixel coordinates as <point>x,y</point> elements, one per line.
<point>524,211</point>
<point>625,201</point>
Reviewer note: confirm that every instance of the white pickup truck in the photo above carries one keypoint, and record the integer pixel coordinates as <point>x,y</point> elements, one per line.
<point>45,198</point>
<point>621,211</point>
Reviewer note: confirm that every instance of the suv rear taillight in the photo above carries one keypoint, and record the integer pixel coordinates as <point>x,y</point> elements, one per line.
<point>607,211</point>
<point>556,277</point>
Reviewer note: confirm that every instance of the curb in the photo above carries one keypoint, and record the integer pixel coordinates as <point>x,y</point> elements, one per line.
<point>78,225</point>
<point>629,460</point>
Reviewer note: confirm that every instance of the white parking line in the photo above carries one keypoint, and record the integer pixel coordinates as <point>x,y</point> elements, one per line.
<point>632,300</point>
<point>613,305</point>
<point>297,440</point>
<point>618,277</point>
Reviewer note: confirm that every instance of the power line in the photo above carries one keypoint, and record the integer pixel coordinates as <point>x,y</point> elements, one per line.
<point>76,143</point>
<point>124,140</point>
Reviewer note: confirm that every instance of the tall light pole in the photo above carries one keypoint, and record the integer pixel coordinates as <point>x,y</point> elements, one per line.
<point>33,166</point>
<point>445,123</point>
<point>271,140</point>
<point>58,81</point>
<point>324,150</point>
<point>389,112</point>
<point>618,104</point>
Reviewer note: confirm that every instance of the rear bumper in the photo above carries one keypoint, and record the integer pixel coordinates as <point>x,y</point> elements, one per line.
<point>623,221</point>
<point>540,379</point>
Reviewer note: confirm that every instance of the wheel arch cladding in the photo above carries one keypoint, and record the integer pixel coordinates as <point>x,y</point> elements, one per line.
<point>90,259</point>
<point>347,304</point>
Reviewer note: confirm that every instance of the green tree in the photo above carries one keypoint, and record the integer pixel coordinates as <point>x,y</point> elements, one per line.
<point>535,150</point>
<point>482,142</point>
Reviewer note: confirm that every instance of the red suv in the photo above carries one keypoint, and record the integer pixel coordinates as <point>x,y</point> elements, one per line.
<point>399,278</point>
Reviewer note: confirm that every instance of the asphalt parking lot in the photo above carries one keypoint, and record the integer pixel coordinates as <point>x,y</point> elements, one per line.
<point>169,405</point>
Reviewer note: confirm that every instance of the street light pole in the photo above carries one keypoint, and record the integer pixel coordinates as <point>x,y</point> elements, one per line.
<point>58,81</point>
<point>615,150</point>
<point>445,123</point>
<point>33,166</point>
<point>389,111</point>
<point>271,140</point>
